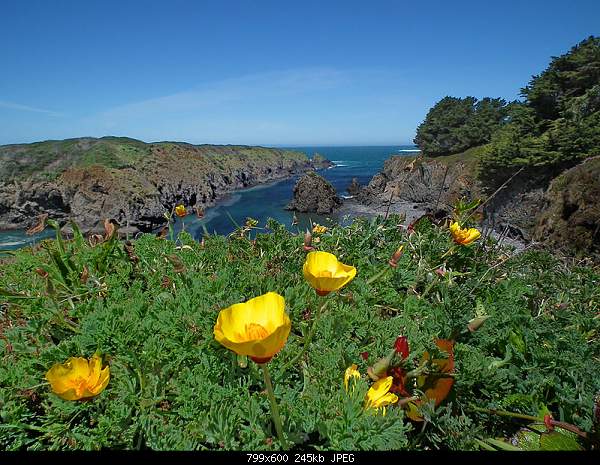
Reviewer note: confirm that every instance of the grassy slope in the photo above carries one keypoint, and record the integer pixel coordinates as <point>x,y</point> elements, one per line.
<point>470,157</point>
<point>49,158</point>
<point>173,387</point>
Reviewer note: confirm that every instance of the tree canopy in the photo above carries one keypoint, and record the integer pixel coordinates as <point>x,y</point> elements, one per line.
<point>555,126</point>
<point>558,124</point>
<point>454,124</point>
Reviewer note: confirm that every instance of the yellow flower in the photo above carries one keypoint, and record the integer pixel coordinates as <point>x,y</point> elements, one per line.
<point>257,328</point>
<point>463,236</point>
<point>78,378</point>
<point>351,372</point>
<point>180,211</point>
<point>325,274</point>
<point>379,395</point>
<point>318,229</point>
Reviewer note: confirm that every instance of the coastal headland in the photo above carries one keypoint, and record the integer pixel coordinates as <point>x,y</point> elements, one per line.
<point>132,182</point>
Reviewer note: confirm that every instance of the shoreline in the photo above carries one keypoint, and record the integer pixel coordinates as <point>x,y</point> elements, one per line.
<point>413,211</point>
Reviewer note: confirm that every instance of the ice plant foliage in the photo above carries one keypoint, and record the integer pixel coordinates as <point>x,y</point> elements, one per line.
<point>180,211</point>
<point>78,378</point>
<point>325,273</point>
<point>463,236</point>
<point>258,328</point>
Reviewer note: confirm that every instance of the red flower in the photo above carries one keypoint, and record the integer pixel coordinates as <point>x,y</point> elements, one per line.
<point>401,347</point>
<point>364,355</point>
<point>398,386</point>
<point>548,422</point>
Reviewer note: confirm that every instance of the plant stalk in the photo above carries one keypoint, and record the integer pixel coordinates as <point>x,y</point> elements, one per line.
<point>560,424</point>
<point>274,408</point>
<point>380,274</point>
<point>309,337</point>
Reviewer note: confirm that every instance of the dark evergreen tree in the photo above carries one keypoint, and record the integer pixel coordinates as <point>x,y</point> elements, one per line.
<point>454,124</point>
<point>558,124</point>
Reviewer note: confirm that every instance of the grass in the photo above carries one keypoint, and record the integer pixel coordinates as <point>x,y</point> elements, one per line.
<point>48,159</point>
<point>150,310</point>
<point>469,157</point>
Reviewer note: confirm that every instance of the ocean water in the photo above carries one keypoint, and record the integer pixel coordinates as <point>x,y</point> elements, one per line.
<point>269,200</point>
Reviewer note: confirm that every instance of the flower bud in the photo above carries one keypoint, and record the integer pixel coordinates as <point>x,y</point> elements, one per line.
<point>43,273</point>
<point>396,256</point>
<point>380,368</point>
<point>401,347</point>
<point>476,323</point>
<point>308,241</point>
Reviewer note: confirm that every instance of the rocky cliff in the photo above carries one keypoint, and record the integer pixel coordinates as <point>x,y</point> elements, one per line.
<point>570,217</point>
<point>133,182</point>
<point>561,211</point>
<point>416,180</point>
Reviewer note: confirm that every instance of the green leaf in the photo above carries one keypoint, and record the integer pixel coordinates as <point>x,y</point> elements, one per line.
<point>558,441</point>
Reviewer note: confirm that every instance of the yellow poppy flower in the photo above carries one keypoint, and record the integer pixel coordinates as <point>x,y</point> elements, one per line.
<point>463,236</point>
<point>257,328</point>
<point>180,211</point>
<point>351,372</point>
<point>318,229</point>
<point>325,274</point>
<point>379,395</point>
<point>78,378</point>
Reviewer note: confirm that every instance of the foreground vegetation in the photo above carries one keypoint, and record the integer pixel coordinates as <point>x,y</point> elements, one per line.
<point>521,358</point>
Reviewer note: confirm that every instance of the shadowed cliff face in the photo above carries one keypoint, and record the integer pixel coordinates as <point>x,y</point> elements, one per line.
<point>437,186</point>
<point>560,211</point>
<point>571,218</point>
<point>415,180</point>
<point>88,180</point>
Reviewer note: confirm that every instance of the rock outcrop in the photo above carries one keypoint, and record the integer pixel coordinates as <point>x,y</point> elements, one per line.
<point>571,215</point>
<point>127,180</point>
<point>312,193</point>
<point>354,187</point>
<point>561,211</point>
<point>414,180</point>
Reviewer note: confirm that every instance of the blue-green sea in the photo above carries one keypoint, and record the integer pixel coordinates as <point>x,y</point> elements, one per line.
<point>268,200</point>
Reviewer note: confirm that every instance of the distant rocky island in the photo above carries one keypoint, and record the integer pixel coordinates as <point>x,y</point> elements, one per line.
<point>130,181</point>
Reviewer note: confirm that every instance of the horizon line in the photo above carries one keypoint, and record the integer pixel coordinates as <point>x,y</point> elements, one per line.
<point>276,145</point>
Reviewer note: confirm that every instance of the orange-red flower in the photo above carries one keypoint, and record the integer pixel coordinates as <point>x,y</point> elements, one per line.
<point>78,378</point>
<point>180,211</point>
<point>463,236</point>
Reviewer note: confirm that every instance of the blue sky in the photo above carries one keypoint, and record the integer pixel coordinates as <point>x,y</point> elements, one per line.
<point>266,72</point>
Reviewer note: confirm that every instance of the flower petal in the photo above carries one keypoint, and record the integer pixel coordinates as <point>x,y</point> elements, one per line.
<point>103,380</point>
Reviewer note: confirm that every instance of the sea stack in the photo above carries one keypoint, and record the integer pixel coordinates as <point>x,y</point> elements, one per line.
<point>353,187</point>
<point>314,194</point>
